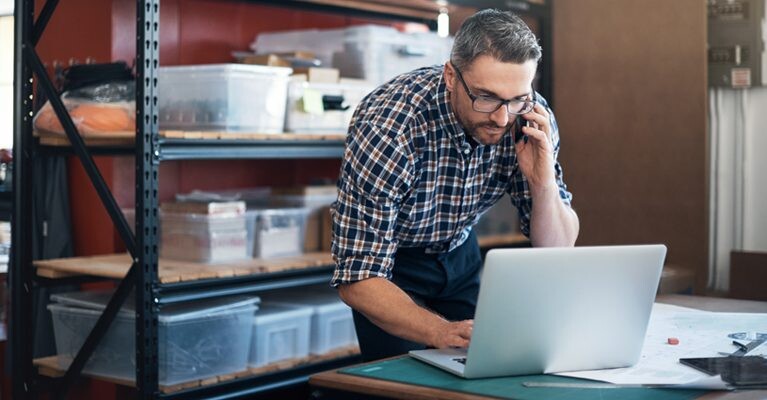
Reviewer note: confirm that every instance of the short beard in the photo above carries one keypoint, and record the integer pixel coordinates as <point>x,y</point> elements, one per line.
<point>471,129</point>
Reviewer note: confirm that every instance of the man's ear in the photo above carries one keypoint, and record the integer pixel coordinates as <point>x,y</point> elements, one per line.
<point>449,76</point>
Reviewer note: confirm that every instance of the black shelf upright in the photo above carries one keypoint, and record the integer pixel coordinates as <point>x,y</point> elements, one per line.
<point>20,272</point>
<point>143,272</point>
<point>147,170</point>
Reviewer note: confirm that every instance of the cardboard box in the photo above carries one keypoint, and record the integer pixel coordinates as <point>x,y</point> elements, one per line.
<point>326,229</point>
<point>318,75</point>
<point>312,237</point>
<point>312,190</point>
<point>271,60</point>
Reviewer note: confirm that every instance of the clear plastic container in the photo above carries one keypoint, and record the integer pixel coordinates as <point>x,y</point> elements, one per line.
<point>204,247</point>
<point>224,97</point>
<point>280,332</point>
<point>315,205</point>
<point>201,222</point>
<point>322,42</point>
<point>332,322</point>
<point>196,341</point>
<point>379,53</point>
<point>277,232</point>
<point>333,120</point>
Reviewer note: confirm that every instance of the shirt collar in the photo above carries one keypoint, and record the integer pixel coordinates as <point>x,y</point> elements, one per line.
<point>445,115</point>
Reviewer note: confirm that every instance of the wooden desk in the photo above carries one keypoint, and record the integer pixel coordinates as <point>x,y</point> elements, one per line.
<point>387,389</point>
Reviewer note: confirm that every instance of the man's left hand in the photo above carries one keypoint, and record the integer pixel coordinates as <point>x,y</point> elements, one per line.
<point>536,154</point>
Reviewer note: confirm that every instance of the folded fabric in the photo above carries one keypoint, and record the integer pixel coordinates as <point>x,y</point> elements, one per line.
<point>90,118</point>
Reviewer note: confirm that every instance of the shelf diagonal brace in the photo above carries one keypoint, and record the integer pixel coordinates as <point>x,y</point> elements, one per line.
<point>78,145</point>
<point>42,21</point>
<point>98,332</point>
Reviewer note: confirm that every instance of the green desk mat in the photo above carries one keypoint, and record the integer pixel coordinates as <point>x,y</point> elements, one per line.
<point>411,371</point>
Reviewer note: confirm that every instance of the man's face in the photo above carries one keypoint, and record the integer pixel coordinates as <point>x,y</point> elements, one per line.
<point>491,78</point>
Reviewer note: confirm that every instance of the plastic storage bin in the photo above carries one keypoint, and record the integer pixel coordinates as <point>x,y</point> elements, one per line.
<point>202,222</point>
<point>204,247</point>
<point>322,42</point>
<point>277,232</point>
<point>379,53</point>
<point>315,205</point>
<point>203,238</point>
<point>196,341</point>
<point>280,333</point>
<point>340,101</point>
<point>332,322</point>
<point>225,97</point>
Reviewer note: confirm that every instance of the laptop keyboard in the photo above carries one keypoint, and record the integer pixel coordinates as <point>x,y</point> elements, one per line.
<point>461,360</point>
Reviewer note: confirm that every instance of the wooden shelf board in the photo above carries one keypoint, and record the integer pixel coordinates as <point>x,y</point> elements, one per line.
<point>507,239</point>
<point>173,271</point>
<point>127,138</point>
<point>413,9</point>
<point>176,134</point>
<point>54,368</point>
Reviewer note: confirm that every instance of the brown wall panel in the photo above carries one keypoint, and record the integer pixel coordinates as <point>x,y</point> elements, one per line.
<point>630,98</point>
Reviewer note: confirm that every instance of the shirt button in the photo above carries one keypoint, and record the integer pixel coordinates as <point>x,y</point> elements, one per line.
<point>466,151</point>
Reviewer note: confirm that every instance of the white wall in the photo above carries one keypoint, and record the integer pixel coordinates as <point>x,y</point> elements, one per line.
<point>6,81</point>
<point>738,133</point>
<point>6,7</point>
<point>755,196</point>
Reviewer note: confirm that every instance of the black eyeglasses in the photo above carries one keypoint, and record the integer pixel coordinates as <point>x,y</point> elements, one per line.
<point>489,104</point>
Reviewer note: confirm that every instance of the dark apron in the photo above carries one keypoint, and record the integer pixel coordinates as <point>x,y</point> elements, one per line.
<point>446,283</point>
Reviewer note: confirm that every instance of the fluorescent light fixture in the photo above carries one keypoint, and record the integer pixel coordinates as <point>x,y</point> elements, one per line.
<point>443,23</point>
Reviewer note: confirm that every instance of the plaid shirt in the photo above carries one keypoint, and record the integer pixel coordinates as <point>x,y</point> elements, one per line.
<point>410,178</point>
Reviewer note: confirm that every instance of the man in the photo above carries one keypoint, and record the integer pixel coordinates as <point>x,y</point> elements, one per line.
<point>427,154</point>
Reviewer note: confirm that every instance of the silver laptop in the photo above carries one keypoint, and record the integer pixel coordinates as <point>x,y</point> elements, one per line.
<point>547,310</point>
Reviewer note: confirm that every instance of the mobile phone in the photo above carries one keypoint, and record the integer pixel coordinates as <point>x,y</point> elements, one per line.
<point>518,134</point>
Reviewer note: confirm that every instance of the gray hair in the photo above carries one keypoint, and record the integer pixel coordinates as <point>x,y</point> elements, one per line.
<point>499,34</point>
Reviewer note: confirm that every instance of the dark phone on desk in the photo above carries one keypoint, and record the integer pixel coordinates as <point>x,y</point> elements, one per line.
<point>738,371</point>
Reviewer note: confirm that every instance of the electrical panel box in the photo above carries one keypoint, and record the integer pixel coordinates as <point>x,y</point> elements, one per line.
<point>737,33</point>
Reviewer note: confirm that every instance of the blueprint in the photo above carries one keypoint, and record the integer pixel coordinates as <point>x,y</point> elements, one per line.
<point>700,334</point>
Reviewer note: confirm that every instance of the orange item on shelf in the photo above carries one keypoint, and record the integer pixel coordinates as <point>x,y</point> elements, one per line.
<point>90,118</point>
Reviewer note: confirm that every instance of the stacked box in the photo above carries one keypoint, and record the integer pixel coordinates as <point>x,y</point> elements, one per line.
<point>276,232</point>
<point>203,232</point>
<point>196,340</point>
<point>379,53</point>
<point>316,198</point>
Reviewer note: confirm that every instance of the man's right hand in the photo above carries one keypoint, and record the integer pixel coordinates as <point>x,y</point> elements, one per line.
<point>453,334</point>
<point>387,306</point>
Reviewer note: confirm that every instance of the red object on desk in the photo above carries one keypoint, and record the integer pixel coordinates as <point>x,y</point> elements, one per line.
<point>673,341</point>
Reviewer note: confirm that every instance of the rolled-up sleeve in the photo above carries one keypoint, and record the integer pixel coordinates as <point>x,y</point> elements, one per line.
<point>519,189</point>
<point>376,174</point>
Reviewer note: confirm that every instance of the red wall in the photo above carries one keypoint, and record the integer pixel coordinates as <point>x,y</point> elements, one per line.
<point>192,32</point>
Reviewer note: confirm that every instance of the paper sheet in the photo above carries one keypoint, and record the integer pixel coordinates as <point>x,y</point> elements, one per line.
<point>700,334</point>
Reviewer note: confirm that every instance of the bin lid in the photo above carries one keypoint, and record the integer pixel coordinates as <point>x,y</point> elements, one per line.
<point>98,299</point>
<point>322,300</point>
<point>226,68</point>
<point>272,311</point>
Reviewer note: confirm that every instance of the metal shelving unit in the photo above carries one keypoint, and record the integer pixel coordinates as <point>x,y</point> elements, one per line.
<point>223,149</point>
<point>149,150</point>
